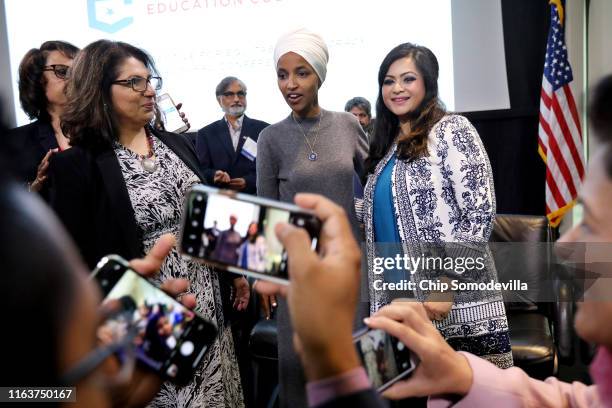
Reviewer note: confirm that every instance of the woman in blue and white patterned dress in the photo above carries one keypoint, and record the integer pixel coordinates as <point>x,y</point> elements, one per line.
<point>430,184</point>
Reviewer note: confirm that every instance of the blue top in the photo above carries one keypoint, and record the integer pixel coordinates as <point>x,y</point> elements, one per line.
<point>385,227</point>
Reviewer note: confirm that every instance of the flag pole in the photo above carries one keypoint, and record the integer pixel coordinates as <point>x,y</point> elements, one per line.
<point>577,213</point>
<point>586,84</point>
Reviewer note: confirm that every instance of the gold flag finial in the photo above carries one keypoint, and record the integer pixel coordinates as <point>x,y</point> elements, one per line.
<point>559,9</point>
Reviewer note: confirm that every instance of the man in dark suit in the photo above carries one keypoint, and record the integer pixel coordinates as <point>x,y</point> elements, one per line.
<point>227,148</point>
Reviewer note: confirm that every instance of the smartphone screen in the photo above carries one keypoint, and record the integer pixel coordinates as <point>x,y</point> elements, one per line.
<point>236,231</point>
<point>385,358</point>
<point>169,338</point>
<point>170,115</point>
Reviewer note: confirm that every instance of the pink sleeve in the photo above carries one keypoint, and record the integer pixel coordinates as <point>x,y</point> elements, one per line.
<point>494,387</point>
<point>319,392</point>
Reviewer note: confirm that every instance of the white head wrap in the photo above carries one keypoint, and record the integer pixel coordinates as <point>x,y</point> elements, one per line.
<point>306,44</point>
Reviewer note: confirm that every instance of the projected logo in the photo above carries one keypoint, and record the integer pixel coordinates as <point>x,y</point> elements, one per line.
<point>109,15</point>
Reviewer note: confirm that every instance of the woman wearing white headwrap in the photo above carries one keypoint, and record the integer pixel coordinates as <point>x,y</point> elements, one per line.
<point>312,150</point>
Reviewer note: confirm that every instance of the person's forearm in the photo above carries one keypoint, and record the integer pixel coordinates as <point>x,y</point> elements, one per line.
<point>352,388</point>
<point>326,362</point>
<point>491,385</point>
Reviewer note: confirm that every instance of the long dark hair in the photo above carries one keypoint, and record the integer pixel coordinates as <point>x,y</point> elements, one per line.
<point>31,80</point>
<point>88,118</point>
<point>425,116</point>
<point>249,237</point>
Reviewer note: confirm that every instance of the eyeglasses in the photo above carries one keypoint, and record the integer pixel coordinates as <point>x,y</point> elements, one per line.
<point>60,70</point>
<point>239,94</point>
<point>139,84</point>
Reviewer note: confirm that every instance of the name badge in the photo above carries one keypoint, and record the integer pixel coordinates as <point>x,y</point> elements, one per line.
<point>249,149</point>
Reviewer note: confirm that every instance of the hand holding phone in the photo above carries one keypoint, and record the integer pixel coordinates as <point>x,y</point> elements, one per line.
<point>170,115</point>
<point>235,231</point>
<point>385,358</point>
<point>441,369</point>
<point>167,337</point>
<point>323,292</point>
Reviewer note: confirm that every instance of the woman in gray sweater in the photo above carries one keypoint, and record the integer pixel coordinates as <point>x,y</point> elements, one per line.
<point>312,150</point>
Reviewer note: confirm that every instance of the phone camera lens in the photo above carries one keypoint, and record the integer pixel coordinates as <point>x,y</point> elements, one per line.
<point>300,222</point>
<point>190,250</point>
<point>187,348</point>
<point>197,210</point>
<point>193,237</point>
<point>400,346</point>
<point>194,223</point>
<point>199,198</point>
<point>172,371</point>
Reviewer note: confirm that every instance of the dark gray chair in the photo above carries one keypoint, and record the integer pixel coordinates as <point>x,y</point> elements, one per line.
<point>541,332</point>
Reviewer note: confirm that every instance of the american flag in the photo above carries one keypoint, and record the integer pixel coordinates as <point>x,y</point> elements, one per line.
<point>560,135</point>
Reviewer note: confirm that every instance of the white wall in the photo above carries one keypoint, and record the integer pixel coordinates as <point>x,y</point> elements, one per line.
<point>6,91</point>
<point>599,57</point>
<point>479,37</point>
<point>600,37</point>
<point>600,53</point>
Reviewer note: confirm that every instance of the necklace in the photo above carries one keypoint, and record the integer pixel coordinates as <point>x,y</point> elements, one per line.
<point>313,155</point>
<point>148,162</point>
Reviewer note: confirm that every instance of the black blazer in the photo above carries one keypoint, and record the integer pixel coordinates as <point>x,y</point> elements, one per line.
<point>216,152</point>
<point>27,145</point>
<point>88,193</point>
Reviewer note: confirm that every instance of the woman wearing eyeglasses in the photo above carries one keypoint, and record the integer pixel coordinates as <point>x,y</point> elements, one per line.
<point>42,78</point>
<point>122,185</point>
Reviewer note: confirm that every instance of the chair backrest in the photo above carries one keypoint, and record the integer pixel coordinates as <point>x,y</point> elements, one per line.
<point>521,247</point>
<point>521,228</point>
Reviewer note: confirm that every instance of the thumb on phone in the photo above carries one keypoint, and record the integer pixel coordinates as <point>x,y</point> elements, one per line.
<point>297,243</point>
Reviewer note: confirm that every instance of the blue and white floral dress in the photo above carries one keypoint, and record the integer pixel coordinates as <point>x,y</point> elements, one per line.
<point>445,197</point>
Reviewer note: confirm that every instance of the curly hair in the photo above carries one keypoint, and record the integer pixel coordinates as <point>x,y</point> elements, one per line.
<point>88,117</point>
<point>31,80</point>
<point>424,117</point>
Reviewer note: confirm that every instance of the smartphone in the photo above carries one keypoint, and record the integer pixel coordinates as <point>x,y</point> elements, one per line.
<point>169,338</point>
<point>385,358</point>
<point>235,231</point>
<point>170,115</point>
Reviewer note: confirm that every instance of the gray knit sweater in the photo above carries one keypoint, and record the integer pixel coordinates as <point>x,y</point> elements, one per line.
<point>283,168</point>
